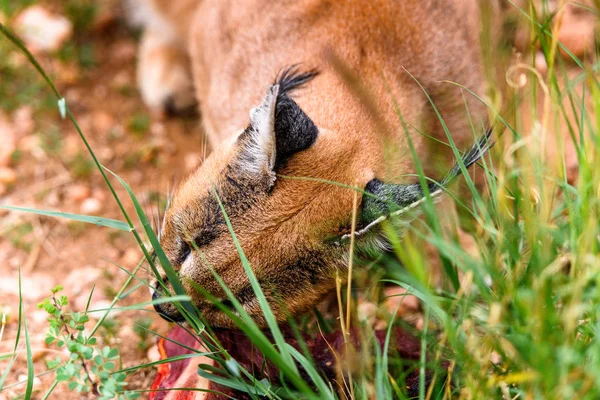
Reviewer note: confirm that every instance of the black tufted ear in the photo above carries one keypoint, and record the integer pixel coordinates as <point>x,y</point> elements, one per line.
<point>294,130</point>
<point>278,126</point>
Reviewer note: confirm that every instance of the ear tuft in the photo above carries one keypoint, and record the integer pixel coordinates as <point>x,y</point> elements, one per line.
<point>278,126</point>
<point>294,130</point>
<point>291,78</point>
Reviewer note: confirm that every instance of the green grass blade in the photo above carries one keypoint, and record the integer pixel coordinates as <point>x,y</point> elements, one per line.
<point>423,359</point>
<point>260,296</point>
<point>141,306</point>
<point>7,371</point>
<point>90,219</point>
<point>257,389</point>
<point>30,370</point>
<point>249,327</point>
<point>163,361</point>
<point>324,389</point>
<point>187,310</point>
<point>50,390</point>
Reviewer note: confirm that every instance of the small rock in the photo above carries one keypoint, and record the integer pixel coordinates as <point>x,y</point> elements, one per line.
<point>36,380</point>
<point>78,193</point>
<point>101,91</point>
<point>91,205</point>
<point>73,96</point>
<point>67,74</point>
<point>34,287</point>
<point>367,312</point>
<point>576,32</point>
<point>124,51</point>
<point>53,199</point>
<point>80,282</point>
<point>153,354</point>
<point>122,79</point>
<point>39,317</point>
<point>192,161</point>
<point>7,176</point>
<point>131,257</point>
<point>158,129</point>
<point>71,146</point>
<point>30,144</point>
<point>540,62</point>
<point>41,30</point>
<point>8,140</point>
<point>111,253</point>
<point>99,194</point>
<point>419,323</point>
<point>137,177</point>
<point>397,297</point>
<point>105,154</point>
<point>23,120</point>
<point>495,358</point>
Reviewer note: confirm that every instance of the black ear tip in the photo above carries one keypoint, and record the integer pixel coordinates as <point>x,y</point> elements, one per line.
<point>292,78</point>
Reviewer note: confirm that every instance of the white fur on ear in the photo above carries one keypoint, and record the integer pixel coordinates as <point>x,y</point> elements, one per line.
<point>262,146</point>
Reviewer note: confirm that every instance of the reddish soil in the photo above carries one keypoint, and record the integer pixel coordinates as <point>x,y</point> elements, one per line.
<point>53,172</point>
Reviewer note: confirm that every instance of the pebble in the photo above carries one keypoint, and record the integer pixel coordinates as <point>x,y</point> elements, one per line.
<point>103,122</point>
<point>52,199</point>
<point>158,129</point>
<point>23,378</point>
<point>38,317</point>
<point>396,297</point>
<point>122,79</point>
<point>192,161</point>
<point>495,358</point>
<point>42,30</point>
<point>81,279</point>
<point>90,206</point>
<point>540,62</point>
<point>576,32</point>
<point>367,312</point>
<point>131,257</point>
<point>30,144</point>
<point>7,176</point>
<point>153,354</point>
<point>34,287</point>
<point>78,192</point>
<point>8,140</point>
<point>124,51</point>
<point>99,194</point>
<point>23,121</point>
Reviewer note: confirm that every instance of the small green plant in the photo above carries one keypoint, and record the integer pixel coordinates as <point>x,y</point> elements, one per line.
<point>20,235</point>
<point>141,327</point>
<point>89,368</point>
<point>139,124</point>
<point>81,165</point>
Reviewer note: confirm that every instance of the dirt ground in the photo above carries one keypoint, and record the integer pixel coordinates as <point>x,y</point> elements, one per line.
<point>48,168</point>
<point>44,165</point>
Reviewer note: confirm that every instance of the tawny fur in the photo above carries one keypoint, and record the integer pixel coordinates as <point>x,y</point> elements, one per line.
<point>236,49</point>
